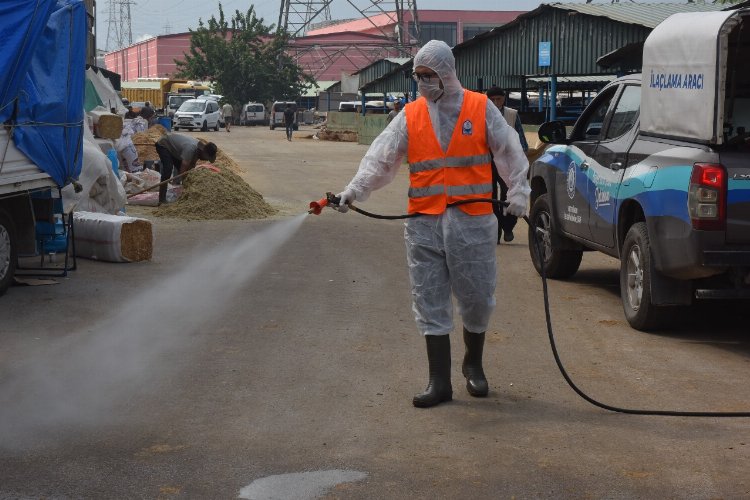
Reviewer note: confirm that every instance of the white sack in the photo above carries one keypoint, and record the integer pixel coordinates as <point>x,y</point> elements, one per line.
<point>101,188</point>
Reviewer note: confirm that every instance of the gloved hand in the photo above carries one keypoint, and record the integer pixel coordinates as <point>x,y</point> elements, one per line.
<point>347,196</point>
<point>517,204</point>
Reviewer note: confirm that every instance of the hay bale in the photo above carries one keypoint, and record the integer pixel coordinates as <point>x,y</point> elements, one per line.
<point>107,125</point>
<point>112,238</point>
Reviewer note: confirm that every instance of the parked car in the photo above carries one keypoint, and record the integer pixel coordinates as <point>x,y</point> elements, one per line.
<point>277,114</point>
<point>197,114</point>
<point>253,113</point>
<point>656,173</point>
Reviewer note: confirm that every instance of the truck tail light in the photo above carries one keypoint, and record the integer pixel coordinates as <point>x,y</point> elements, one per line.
<point>707,197</point>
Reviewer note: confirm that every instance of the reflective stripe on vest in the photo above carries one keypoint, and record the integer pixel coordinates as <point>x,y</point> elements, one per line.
<point>461,161</point>
<point>472,189</point>
<point>464,171</point>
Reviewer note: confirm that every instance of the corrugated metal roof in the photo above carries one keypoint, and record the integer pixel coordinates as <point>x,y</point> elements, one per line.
<point>393,60</point>
<point>398,60</point>
<point>320,86</point>
<point>644,14</point>
<point>574,79</point>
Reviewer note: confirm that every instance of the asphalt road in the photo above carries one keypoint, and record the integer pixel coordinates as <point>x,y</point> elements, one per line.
<point>277,359</point>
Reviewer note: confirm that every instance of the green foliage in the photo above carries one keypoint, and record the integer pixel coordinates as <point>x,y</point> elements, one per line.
<point>244,58</point>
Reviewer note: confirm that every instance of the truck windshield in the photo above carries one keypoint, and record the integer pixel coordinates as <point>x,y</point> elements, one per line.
<point>176,101</point>
<point>193,107</point>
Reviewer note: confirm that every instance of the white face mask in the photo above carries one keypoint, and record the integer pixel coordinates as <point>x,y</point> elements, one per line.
<point>430,90</point>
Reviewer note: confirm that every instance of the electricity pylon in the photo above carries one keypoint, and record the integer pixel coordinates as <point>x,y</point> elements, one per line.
<point>387,39</point>
<point>119,28</point>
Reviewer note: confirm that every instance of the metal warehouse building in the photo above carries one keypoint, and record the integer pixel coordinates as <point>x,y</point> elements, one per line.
<point>555,46</point>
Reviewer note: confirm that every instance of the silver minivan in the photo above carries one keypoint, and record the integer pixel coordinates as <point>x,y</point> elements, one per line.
<point>200,114</point>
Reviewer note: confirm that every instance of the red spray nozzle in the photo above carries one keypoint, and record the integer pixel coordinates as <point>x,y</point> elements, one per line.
<point>317,206</point>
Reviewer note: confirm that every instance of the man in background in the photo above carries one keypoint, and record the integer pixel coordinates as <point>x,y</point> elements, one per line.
<point>396,109</point>
<point>228,113</point>
<point>181,152</point>
<point>289,121</point>
<point>506,222</point>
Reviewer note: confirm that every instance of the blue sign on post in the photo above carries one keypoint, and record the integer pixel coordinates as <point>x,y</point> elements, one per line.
<point>545,49</point>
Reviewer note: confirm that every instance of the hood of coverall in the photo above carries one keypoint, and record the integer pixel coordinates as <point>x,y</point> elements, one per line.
<point>437,56</point>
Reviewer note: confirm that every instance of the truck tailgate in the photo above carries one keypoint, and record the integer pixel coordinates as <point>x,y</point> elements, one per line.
<point>17,171</point>
<point>737,163</point>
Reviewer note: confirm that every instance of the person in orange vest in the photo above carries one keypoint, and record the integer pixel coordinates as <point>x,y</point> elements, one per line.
<point>450,137</point>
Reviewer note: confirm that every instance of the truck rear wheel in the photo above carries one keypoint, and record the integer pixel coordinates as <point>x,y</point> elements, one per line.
<point>558,262</point>
<point>7,252</point>
<point>636,272</point>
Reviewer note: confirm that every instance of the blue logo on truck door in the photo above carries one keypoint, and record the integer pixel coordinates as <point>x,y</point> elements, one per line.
<point>572,180</point>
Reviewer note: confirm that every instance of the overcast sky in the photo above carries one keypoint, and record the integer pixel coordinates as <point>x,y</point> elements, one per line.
<point>157,17</point>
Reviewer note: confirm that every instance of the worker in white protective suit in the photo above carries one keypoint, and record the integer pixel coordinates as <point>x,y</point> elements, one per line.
<point>450,137</point>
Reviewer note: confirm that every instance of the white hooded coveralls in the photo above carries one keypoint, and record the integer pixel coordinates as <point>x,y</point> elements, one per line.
<point>453,251</point>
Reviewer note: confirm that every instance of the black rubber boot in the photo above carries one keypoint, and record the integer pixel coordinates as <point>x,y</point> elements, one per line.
<point>163,194</point>
<point>476,383</point>
<point>439,387</point>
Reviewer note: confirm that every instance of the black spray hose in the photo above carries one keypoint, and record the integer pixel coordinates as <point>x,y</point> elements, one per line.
<point>668,413</point>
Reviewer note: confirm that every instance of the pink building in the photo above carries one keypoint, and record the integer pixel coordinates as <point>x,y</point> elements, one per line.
<point>451,26</point>
<point>329,53</point>
<point>152,58</point>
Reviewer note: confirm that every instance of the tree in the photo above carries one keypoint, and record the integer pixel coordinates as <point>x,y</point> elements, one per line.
<point>244,58</point>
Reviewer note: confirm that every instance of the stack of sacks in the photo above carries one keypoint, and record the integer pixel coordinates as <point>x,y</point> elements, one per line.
<point>101,190</point>
<point>125,147</point>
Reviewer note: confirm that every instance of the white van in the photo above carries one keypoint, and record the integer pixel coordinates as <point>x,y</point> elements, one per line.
<point>253,113</point>
<point>277,114</point>
<point>350,106</point>
<point>200,114</point>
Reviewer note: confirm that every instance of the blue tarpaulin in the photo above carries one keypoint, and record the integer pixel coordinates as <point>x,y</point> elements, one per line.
<point>42,81</point>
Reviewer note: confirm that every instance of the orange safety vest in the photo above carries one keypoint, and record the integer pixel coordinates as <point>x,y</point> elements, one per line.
<point>438,178</point>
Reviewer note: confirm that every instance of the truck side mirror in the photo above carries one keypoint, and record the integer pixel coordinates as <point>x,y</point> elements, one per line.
<point>553,132</point>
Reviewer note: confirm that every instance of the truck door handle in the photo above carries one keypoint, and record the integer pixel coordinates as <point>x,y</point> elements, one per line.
<point>584,165</point>
<point>616,165</point>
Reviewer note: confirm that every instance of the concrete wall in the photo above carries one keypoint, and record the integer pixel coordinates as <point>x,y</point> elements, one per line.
<point>342,122</point>
<point>368,127</point>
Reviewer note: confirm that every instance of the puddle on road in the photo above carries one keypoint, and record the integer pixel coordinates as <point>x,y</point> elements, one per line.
<point>299,485</point>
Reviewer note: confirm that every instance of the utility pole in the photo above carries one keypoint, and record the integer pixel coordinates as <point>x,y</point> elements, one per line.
<point>119,28</point>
